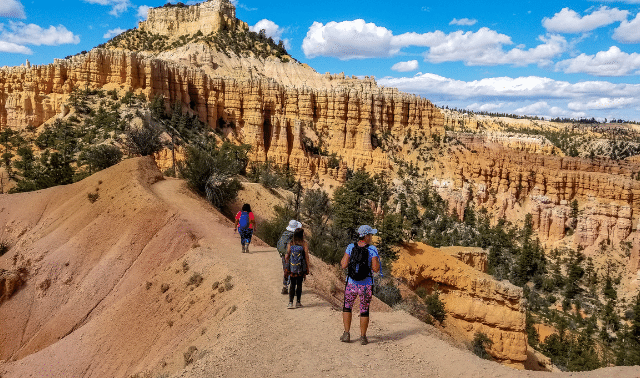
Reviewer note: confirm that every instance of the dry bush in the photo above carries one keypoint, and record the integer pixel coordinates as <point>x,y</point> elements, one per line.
<point>190,355</point>
<point>4,247</point>
<point>195,279</point>
<point>93,197</point>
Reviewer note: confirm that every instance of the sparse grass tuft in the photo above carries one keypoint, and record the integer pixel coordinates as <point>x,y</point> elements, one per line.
<point>93,197</point>
<point>164,287</point>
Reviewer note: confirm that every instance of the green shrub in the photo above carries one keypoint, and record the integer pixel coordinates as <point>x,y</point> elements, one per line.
<point>211,171</point>
<point>100,157</point>
<point>271,230</point>
<point>480,344</point>
<point>143,141</point>
<point>388,293</point>
<point>435,307</point>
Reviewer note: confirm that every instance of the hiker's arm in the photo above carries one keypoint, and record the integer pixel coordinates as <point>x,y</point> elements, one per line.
<point>375,264</point>
<point>345,261</point>
<point>286,255</point>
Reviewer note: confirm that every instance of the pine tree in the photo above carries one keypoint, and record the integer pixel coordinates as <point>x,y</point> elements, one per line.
<point>352,203</point>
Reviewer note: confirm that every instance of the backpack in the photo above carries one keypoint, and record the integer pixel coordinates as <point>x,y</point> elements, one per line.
<point>243,222</point>
<point>285,238</point>
<point>359,263</point>
<point>297,263</point>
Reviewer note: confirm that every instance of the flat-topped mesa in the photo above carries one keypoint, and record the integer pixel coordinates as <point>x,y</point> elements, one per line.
<point>207,17</point>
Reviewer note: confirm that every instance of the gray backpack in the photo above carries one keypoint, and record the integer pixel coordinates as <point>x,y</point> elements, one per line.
<point>283,241</point>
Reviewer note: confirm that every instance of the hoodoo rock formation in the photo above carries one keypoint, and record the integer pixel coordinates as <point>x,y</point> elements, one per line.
<point>474,301</point>
<point>515,181</point>
<point>337,114</point>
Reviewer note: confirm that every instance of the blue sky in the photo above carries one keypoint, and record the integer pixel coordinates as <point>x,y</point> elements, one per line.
<point>546,58</point>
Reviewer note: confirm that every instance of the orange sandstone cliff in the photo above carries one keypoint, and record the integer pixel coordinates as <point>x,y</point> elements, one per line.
<point>474,301</point>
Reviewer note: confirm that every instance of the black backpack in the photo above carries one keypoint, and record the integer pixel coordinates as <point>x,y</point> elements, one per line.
<point>359,263</point>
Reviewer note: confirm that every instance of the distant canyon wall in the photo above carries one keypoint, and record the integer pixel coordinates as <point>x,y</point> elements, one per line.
<point>513,177</point>
<point>271,117</point>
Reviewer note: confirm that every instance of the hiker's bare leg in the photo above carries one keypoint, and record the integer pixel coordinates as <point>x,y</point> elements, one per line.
<point>346,319</point>
<point>364,324</point>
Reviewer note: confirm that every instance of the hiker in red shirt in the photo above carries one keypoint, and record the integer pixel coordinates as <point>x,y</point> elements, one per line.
<point>245,225</point>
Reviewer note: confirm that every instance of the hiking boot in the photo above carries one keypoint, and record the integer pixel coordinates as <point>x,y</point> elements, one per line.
<point>290,305</point>
<point>246,248</point>
<point>345,338</point>
<point>284,290</point>
<point>298,304</point>
<point>363,340</point>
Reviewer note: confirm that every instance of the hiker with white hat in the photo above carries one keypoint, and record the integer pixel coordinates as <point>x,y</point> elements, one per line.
<point>286,237</point>
<point>361,259</point>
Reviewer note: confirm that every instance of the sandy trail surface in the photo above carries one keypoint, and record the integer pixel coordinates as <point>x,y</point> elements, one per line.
<point>170,294</point>
<point>269,340</point>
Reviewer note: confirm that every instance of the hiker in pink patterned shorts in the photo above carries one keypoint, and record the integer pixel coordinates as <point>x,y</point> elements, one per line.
<point>362,259</point>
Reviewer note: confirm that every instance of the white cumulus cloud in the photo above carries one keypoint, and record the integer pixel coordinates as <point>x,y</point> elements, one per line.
<point>612,62</point>
<point>628,31</point>
<point>604,103</point>
<point>569,21</point>
<point>271,29</point>
<point>411,65</point>
<point>526,87</point>
<point>143,12</point>
<point>12,8</point>
<point>358,40</point>
<point>113,32</point>
<point>485,47</point>
<point>489,107</point>
<point>348,40</point>
<point>463,22</point>
<point>117,6</point>
<point>14,48</point>
<point>31,34</point>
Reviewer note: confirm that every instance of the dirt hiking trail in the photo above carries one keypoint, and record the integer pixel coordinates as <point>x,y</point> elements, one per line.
<point>190,304</point>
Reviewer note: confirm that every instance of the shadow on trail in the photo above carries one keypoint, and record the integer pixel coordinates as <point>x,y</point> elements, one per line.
<point>395,336</point>
<point>317,304</point>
